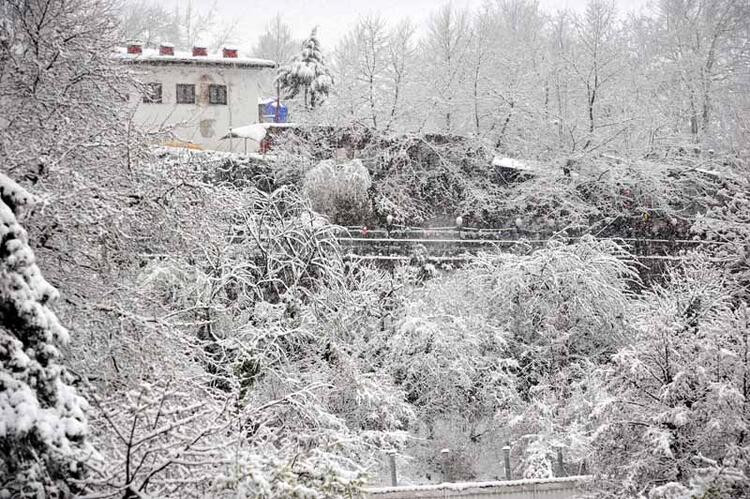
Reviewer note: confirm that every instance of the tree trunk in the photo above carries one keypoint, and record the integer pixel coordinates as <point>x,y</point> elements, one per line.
<point>476,99</point>
<point>372,103</point>
<point>693,115</point>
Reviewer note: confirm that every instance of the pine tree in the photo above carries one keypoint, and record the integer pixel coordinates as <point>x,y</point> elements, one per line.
<point>307,72</point>
<point>42,419</point>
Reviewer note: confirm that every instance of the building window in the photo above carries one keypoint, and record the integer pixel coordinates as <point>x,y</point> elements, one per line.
<point>217,94</point>
<point>185,93</point>
<point>153,93</point>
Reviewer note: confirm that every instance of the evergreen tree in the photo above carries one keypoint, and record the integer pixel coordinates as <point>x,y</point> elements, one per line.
<point>307,72</point>
<point>42,420</point>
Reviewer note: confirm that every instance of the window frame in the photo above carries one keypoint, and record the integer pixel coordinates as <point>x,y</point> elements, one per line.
<point>213,96</point>
<point>152,97</point>
<point>178,94</point>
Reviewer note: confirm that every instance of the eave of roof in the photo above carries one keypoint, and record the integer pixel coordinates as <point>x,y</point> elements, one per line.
<point>189,60</point>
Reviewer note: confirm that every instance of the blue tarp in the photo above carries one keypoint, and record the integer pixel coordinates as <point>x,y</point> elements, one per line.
<point>269,112</point>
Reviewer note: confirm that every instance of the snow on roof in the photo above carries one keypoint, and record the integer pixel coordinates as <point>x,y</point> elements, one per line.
<point>267,100</point>
<point>712,173</point>
<point>151,56</point>
<point>456,486</point>
<point>508,163</point>
<point>279,125</point>
<point>256,131</point>
<point>515,164</point>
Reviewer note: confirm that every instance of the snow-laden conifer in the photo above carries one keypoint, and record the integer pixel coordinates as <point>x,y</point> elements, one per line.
<point>308,72</point>
<point>42,418</point>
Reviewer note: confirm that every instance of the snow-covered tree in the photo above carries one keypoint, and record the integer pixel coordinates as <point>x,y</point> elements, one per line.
<point>276,42</point>
<point>375,67</point>
<point>598,59</point>
<point>400,73</point>
<point>564,308</point>
<point>675,419</point>
<point>62,95</point>
<point>184,26</point>
<point>43,427</point>
<point>702,42</point>
<point>361,56</point>
<point>503,95</point>
<point>445,50</point>
<point>307,73</point>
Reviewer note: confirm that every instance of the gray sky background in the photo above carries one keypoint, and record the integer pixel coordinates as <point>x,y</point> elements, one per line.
<point>335,17</point>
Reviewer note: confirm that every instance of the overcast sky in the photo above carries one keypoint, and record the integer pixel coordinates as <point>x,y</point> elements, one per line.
<point>336,17</point>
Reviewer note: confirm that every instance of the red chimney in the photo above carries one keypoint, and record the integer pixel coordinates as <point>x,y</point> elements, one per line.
<point>135,48</point>
<point>166,49</point>
<point>200,51</point>
<point>230,53</point>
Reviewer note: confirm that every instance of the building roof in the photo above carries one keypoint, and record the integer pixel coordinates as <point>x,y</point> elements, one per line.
<point>256,131</point>
<point>524,166</point>
<point>151,56</point>
<point>267,100</point>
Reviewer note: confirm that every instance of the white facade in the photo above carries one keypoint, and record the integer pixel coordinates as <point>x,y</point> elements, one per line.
<point>206,120</point>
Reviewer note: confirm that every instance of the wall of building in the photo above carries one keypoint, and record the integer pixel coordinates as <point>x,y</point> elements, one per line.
<point>549,488</point>
<point>201,123</point>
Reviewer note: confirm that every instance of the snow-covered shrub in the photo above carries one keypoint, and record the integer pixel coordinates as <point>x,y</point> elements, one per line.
<point>450,365</point>
<point>564,308</point>
<point>340,191</point>
<point>726,228</point>
<point>417,178</point>
<point>611,198</point>
<point>43,429</point>
<point>310,474</point>
<point>560,304</point>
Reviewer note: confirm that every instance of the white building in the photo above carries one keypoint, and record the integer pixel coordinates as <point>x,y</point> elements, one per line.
<point>199,97</point>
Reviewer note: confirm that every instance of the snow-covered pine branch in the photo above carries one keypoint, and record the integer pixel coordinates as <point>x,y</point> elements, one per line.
<point>43,427</point>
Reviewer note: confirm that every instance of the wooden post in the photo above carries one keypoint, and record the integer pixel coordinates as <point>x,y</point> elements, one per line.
<point>506,456</point>
<point>444,457</point>
<point>560,463</point>
<point>392,462</point>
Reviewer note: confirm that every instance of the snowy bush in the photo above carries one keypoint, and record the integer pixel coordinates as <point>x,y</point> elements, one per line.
<point>420,177</point>
<point>726,228</point>
<point>612,198</point>
<point>303,475</point>
<point>339,191</point>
